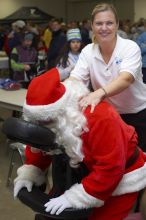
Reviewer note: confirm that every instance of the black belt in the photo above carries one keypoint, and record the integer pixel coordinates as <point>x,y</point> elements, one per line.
<point>133,158</point>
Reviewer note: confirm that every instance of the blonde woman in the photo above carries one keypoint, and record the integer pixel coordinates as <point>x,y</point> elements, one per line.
<point>113,67</point>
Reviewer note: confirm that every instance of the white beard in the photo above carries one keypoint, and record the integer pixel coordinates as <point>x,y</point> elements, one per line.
<point>70,124</point>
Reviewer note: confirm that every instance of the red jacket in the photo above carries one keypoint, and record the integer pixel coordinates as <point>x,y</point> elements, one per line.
<point>107,146</point>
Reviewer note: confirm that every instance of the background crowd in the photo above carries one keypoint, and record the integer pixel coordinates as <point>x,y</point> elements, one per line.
<point>35,48</point>
<point>48,45</point>
<point>48,42</point>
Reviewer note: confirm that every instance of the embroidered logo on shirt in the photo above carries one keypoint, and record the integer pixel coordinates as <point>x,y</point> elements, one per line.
<point>118,60</point>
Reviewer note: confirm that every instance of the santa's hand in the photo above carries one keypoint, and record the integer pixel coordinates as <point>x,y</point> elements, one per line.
<point>21,184</point>
<point>57,205</point>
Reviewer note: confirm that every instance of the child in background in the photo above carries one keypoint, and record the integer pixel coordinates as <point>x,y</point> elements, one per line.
<point>42,56</point>
<point>70,53</point>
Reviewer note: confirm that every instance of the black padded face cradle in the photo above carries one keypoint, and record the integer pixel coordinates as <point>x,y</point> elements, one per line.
<point>29,133</point>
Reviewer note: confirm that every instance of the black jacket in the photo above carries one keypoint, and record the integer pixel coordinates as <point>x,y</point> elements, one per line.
<point>57,42</point>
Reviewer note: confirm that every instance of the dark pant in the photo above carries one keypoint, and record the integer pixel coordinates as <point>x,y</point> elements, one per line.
<point>144,74</point>
<point>138,120</point>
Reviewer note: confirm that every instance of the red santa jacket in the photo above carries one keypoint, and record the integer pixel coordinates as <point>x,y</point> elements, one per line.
<point>107,147</point>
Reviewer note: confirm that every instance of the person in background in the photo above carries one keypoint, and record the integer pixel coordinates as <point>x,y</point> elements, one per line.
<point>64,27</point>
<point>24,59</point>
<point>70,53</point>
<point>14,38</point>
<point>85,32</point>
<point>141,41</point>
<point>113,67</point>
<point>121,31</point>
<point>2,37</point>
<point>9,34</point>
<point>72,25</point>
<point>42,56</point>
<point>57,42</point>
<point>47,35</point>
<point>101,140</point>
<point>32,28</point>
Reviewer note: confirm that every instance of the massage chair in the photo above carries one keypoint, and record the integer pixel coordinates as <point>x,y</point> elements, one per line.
<point>63,176</point>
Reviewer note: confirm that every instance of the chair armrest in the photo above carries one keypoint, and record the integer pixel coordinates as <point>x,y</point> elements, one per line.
<point>36,200</point>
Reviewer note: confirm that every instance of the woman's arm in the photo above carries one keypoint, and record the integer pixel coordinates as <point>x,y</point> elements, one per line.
<point>65,72</point>
<point>122,82</point>
<point>119,84</point>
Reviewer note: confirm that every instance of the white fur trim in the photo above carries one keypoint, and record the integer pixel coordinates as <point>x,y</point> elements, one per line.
<point>132,182</point>
<point>51,111</point>
<point>45,112</point>
<point>79,198</point>
<point>32,173</point>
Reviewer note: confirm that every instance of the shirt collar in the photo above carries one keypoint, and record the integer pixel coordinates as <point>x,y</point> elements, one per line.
<point>96,50</point>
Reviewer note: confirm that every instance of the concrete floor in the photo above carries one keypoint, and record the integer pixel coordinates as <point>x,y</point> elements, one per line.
<point>10,209</point>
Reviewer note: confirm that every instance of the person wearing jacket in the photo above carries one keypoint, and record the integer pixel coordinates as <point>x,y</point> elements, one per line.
<point>24,59</point>
<point>70,53</point>
<point>101,140</point>
<point>57,42</point>
<point>141,41</point>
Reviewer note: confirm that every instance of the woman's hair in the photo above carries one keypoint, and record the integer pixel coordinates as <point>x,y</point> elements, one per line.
<point>104,7</point>
<point>63,55</point>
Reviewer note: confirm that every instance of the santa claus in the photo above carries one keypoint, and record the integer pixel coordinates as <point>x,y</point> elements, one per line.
<point>101,140</point>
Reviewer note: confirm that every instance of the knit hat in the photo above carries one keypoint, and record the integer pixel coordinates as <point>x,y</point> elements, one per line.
<point>20,23</point>
<point>74,34</point>
<point>46,97</point>
<point>28,36</point>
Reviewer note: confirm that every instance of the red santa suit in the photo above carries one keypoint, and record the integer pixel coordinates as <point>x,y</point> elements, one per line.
<point>117,168</point>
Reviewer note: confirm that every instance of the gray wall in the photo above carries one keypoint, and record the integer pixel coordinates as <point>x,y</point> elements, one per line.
<point>53,7</point>
<point>125,9</point>
<point>139,9</point>
<point>75,9</point>
<point>82,9</point>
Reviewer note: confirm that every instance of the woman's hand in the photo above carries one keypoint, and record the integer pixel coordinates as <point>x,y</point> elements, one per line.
<point>93,99</point>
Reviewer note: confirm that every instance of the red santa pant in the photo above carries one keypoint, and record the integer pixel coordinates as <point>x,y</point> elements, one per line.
<point>115,208</point>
